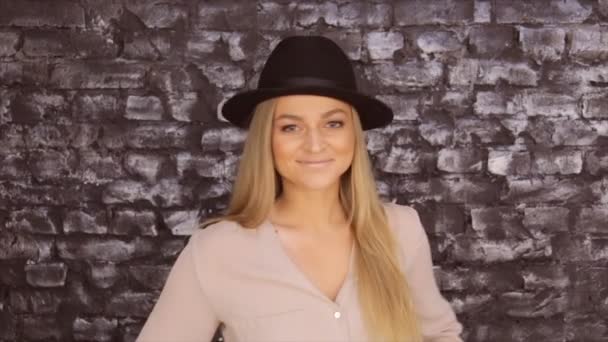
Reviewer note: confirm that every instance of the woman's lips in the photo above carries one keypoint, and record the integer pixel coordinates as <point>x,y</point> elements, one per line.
<point>315,163</point>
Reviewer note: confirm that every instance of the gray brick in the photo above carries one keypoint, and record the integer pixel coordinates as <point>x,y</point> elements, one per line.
<point>150,46</point>
<point>492,103</point>
<point>104,275</point>
<point>146,166</point>
<point>546,190</point>
<point>13,166</point>
<point>52,274</point>
<point>150,136</point>
<point>438,42</point>
<point>574,133</point>
<point>589,42</point>
<point>572,74</point>
<point>8,43</point>
<point>382,45</point>
<point>470,302</point>
<point>94,328</point>
<point>546,219</point>
<point>437,133</point>
<point>401,160</point>
<point>165,193</point>
<point>544,11</point>
<point>419,12</point>
<point>530,305</point>
<point>52,165</point>
<point>87,222</point>
<point>159,14</point>
<point>96,168</point>
<point>350,41</point>
<point>150,276</point>
<point>224,75</point>
<point>509,162</point>
<point>498,223</point>
<point>595,104</point>
<point>596,162</point>
<point>205,44</point>
<point>130,222</point>
<point>542,44</point>
<point>459,160</point>
<point>592,219</point>
<point>557,162</point>
<point>81,44</point>
<point>134,304</point>
<point>469,130</point>
<point>11,138</point>
<point>482,11</point>
<point>39,301</point>
<point>307,13</point>
<point>490,72</point>
<point>602,6</point>
<point>188,107</point>
<point>144,108</point>
<point>24,246</point>
<point>205,164</point>
<point>23,73</point>
<point>42,13</point>
<point>38,106</point>
<point>466,190</point>
<point>95,107</point>
<point>491,40</point>
<point>407,75</point>
<point>99,75</point>
<point>446,219</point>
<point>467,249</point>
<point>549,104</point>
<point>226,139</point>
<point>580,249</point>
<point>366,14</point>
<point>33,220</point>
<point>540,277</point>
<point>405,107</point>
<point>40,328</point>
<point>220,15</point>
<point>587,282</point>
<point>273,15</point>
<point>479,279</point>
<point>104,249</point>
<point>181,222</point>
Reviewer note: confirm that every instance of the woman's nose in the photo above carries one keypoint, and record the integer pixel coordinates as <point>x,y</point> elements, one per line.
<point>314,140</point>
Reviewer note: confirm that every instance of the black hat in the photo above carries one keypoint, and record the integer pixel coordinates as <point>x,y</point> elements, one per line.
<point>313,65</point>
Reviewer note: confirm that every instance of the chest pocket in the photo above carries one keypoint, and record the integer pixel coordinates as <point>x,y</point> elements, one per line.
<point>287,325</point>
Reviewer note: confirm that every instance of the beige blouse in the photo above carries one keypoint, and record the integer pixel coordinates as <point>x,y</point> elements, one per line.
<point>244,278</point>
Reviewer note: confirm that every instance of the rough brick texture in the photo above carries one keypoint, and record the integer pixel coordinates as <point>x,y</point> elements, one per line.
<point>111,148</point>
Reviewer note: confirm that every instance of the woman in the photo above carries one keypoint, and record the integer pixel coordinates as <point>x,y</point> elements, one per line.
<point>306,251</point>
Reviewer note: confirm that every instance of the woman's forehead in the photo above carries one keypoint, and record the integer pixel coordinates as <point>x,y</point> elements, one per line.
<point>309,103</point>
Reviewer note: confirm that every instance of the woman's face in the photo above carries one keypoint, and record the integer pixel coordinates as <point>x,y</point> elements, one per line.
<point>312,140</point>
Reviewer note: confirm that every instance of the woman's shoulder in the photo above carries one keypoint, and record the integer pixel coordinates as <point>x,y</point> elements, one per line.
<point>224,235</point>
<point>408,228</point>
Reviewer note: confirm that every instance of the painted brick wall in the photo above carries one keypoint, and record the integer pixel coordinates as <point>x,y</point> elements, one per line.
<point>111,147</point>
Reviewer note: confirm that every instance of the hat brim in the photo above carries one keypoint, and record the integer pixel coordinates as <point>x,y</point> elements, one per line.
<point>373,113</point>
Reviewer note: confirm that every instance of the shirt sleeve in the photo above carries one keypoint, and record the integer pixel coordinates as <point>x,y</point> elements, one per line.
<point>437,319</point>
<point>182,312</point>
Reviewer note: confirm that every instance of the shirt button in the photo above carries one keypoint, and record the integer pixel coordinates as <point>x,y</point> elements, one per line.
<point>337,314</point>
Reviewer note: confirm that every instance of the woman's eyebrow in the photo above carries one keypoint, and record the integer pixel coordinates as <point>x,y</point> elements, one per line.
<point>296,117</point>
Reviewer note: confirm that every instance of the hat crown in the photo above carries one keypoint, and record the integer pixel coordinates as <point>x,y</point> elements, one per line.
<point>307,59</point>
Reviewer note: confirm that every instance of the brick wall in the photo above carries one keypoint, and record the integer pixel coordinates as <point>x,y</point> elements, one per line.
<point>111,146</point>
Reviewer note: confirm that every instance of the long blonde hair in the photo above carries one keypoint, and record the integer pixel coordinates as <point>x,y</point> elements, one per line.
<point>383,292</point>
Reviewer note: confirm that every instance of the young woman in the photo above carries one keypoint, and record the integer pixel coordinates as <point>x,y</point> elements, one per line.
<point>306,250</point>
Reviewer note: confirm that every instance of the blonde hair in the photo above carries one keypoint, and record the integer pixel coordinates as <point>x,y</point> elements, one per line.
<point>383,292</point>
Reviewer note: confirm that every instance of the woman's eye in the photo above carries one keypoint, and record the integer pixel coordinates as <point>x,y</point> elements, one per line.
<point>340,122</point>
<point>286,126</point>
